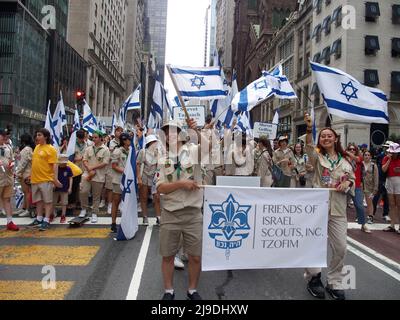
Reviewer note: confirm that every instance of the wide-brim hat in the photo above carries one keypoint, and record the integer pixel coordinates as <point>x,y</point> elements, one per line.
<point>62,159</point>
<point>283,138</point>
<point>173,123</point>
<point>394,148</point>
<point>387,144</point>
<point>151,138</point>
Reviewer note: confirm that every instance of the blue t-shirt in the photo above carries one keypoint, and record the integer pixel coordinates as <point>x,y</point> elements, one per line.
<point>63,176</point>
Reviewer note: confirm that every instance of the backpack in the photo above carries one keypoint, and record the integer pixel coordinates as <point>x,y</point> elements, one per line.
<point>257,161</point>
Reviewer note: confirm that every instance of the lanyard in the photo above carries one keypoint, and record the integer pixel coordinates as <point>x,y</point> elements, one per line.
<point>334,162</point>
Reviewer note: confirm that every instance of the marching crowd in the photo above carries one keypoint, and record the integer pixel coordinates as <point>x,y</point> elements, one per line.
<point>171,166</point>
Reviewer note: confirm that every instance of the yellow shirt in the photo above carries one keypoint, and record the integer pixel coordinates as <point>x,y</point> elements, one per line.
<point>43,159</point>
<point>76,171</point>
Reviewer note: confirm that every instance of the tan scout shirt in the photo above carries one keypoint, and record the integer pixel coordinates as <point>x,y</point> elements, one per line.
<point>243,161</point>
<point>96,156</point>
<point>79,152</point>
<point>279,155</point>
<point>119,156</point>
<point>24,168</point>
<point>189,169</point>
<point>328,175</point>
<point>6,174</point>
<point>148,159</point>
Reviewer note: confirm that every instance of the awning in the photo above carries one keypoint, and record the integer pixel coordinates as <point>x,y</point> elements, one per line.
<point>371,78</point>
<point>337,47</point>
<point>317,30</point>
<point>396,82</point>
<point>372,43</point>
<point>372,10</point>
<point>395,47</point>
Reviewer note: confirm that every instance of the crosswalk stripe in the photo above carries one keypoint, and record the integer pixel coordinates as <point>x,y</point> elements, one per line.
<point>59,233</point>
<point>33,290</point>
<point>47,255</point>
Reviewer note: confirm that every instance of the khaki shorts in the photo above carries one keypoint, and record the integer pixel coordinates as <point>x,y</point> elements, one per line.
<point>6,192</point>
<point>116,188</point>
<point>190,232</point>
<point>109,183</point>
<point>393,185</point>
<point>147,180</point>
<point>63,196</point>
<point>42,192</point>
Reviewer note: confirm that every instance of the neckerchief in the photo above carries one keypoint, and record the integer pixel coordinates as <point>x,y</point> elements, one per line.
<point>333,162</point>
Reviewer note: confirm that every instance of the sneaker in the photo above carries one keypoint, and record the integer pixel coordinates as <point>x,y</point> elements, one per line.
<point>194,296</point>
<point>83,214</point>
<point>370,219</point>
<point>365,229</point>
<point>168,296</point>
<point>315,287</point>
<point>145,221</point>
<point>24,213</point>
<point>178,263</point>
<point>336,294</point>
<point>109,208</point>
<point>356,220</point>
<point>63,219</point>
<point>387,218</point>
<point>35,223</point>
<point>139,207</point>
<point>52,216</point>
<point>3,213</point>
<point>114,228</point>
<point>158,221</point>
<point>44,226</point>
<point>389,229</point>
<point>94,218</point>
<point>102,204</point>
<point>11,226</point>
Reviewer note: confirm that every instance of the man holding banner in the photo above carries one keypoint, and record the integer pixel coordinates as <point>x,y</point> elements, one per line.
<point>178,182</point>
<point>333,171</point>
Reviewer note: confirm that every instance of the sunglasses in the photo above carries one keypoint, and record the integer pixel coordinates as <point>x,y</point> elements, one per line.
<point>352,149</point>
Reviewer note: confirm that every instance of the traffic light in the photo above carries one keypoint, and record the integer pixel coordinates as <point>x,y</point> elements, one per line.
<point>80,97</point>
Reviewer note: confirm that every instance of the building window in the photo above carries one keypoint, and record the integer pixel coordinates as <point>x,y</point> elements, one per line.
<point>396,14</point>
<point>307,64</point>
<point>317,33</point>
<point>300,37</point>
<point>305,100</point>
<point>316,93</point>
<point>317,57</point>
<point>327,2</point>
<point>300,68</point>
<point>372,11</point>
<point>318,6</point>
<point>337,16</point>
<point>371,78</point>
<point>371,45</point>
<point>396,47</point>
<point>326,25</point>
<point>326,55</point>
<point>308,31</point>
<point>395,88</point>
<point>337,48</point>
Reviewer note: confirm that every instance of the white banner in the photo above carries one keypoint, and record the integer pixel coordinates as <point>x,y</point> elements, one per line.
<point>265,129</point>
<point>197,113</point>
<point>260,228</point>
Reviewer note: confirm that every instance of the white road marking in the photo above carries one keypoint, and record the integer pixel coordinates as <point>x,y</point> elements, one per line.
<point>374,253</point>
<point>374,226</point>
<point>102,221</point>
<point>375,263</point>
<point>137,274</point>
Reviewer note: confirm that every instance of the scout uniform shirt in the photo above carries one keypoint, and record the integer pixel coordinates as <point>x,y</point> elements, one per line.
<point>25,164</point>
<point>148,159</point>
<point>186,167</point>
<point>328,174</point>
<point>119,156</point>
<point>6,174</point>
<point>79,152</point>
<point>95,156</point>
<point>279,155</point>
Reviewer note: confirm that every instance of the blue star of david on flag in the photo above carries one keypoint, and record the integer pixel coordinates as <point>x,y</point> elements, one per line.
<point>353,94</point>
<point>198,82</point>
<point>261,85</point>
<point>127,189</point>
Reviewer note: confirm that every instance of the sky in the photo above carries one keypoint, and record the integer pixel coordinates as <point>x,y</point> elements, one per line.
<point>185,35</point>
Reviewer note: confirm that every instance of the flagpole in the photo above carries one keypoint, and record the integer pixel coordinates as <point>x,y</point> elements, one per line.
<point>178,93</point>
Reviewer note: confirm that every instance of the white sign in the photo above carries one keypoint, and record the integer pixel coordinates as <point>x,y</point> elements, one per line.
<point>234,181</point>
<point>264,228</point>
<point>198,113</point>
<point>265,129</point>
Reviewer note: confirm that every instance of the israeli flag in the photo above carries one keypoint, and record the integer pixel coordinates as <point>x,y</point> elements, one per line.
<point>160,102</point>
<point>89,120</point>
<point>256,92</point>
<point>133,101</point>
<point>49,119</point>
<point>19,198</point>
<point>283,88</point>
<point>199,83</point>
<point>219,105</point>
<point>228,116</point>
<point>51,125</point>
<point>113,123</point>
<point>72,140</point>
<point>129,219</point>
<point>314,125</point>
<point>59,121</point>
<point>245,124</point>
<point>347,98</point>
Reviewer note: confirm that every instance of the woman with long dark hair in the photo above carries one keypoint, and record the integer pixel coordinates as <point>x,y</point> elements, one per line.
<point>24,169</point>
<point>332,170</point>
<point>300,160</point>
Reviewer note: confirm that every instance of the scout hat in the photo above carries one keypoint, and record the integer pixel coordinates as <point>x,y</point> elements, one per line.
<point>387,144</point>
<point>173,123</point>
<point>394,148</point>
<point>62,159</point>
<point>151,138</point>
<point>283,138</point>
